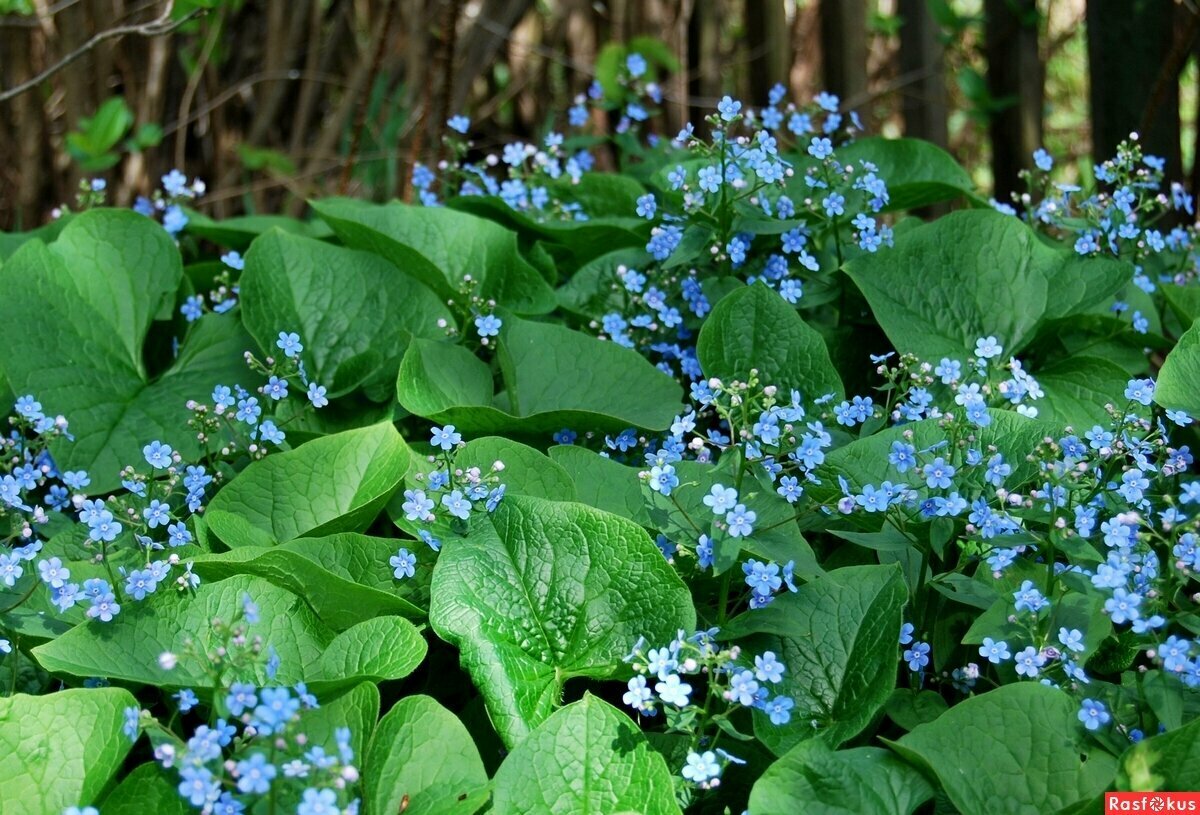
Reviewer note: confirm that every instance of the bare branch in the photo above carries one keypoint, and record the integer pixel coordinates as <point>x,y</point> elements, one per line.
<point>155,28</point>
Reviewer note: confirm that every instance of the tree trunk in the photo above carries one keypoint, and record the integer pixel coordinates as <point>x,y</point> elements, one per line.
<point>1015,78</point>
<point>922,72</point>
<point>844,41</point>
<point>768,40</point>
<point>1129,41</point>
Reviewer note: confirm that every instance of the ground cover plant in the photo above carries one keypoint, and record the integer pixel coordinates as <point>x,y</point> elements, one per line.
<point>726,481</point>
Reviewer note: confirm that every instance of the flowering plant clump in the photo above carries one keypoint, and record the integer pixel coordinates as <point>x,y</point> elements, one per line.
<point>619,471</point>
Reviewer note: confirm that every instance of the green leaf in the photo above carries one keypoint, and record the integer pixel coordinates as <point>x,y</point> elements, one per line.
<point>917,173</point>
<point>526,471</point>
<point>1183,300</point>
<point>754,328</point>
<point>237,233</point>
<point>603,483</point>
<point>1176,388</point>
<point>442,248</point>
<point>422,755</point>
<point>553,377</point>
<point>981,751</point>
<point>1077,390</point>
<point>345,577</point>
<point>862,781</point>
<point>148,788</point>
<point>547,591</point>
<point>776,538</point>
<point>590,291</point>
<point>96,290</point>
<point>128,647</point>
<point>586,759</point>
<point>837,635</point>
<point>865,461</point>
<point>1079,284</point>
<point>336,483</point>
<point>354,310</point>
<point>1168,761</point>
<point>970,274</point>
<point>59,750</point>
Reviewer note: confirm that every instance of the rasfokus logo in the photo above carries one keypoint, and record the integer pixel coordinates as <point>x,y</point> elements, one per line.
<point>1153,802</point>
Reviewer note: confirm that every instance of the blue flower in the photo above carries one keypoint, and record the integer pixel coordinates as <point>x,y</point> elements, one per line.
<point>1071,639</point>
<point>197,785</point>
<point>743,688</point>
<point>318,802</point>
<point>255,775</point>
<point>779,710</point>
<point>132,723</point>
<point>488,325</point>
<point>740,521</point>
<point>187,700</point>
<point>158,455</point>
<point>767,668</point>
<point>241,697</point>
<point>1042,160</point>
<point>762,578</point>
<point>457,504</point>
<point>820,148</point>
<point>647,206</point>
<point>1028,598</point>
<point>906,633</point>
<point>1094,714</point>
<point>445,437</point>
<point>729,108</point>
<point>993,651</point>
<point>403,564</point>
<point>1140,391</point>
<point>917,656</point>
<point>289,343</point>
<point>701,767</point>
<point>1029,662</point>
<point>459,124</point>
<point>673,691</point>
<point>316,395</point>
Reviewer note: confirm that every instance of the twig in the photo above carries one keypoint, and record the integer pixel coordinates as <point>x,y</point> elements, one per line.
<point>450,33</point>
<point>189,91</point>
<point>155,28</point>
<point>364,98</point>
<point>1171,68</point>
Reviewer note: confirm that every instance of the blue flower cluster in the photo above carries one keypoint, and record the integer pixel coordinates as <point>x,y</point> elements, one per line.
<point>698,684</point>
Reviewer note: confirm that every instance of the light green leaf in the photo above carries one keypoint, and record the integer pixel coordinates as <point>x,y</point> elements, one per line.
<point>148,788</point>
<point>970,274</point>
<point>422,755</point>
<point>442,248</point>
<point>1015,750</point>
<point>128,647</point>
<point>526,471</point>
<point>548,591</point>
<point>603,483</point>
<point>754,328</point>
<point>345,577</point>
<point>837,635</point>
<point>586,759</point>
<point>336,483</point>
<point>554,377</point>
<point>1177,380</point>
<point>96,290</point>
<point>865,461</point>
<point>862,781</point>
<point>59,750</point>
<point>238,232</point>
<point>917,172</point>
<point>1168,761</point>
<point>1077,390</point>
<point>354,311</point>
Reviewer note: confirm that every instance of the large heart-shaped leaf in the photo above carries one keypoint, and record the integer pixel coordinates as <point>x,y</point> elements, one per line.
<point>1078,389</point>
<point>753,328</point>
<point>422,761</point>
<point>1180,374</point>
<point>837,635</point>
<point>554,377</point>
<point>972,274</point>
<point>444,249</point>
<point>1017,749</point>
<point>547,591</point>
<point>95,291</point>
<point>586,759</point>
<point>128,647</point>
<point>861,781</point>
<point>917,173</point>
<point>345,577</point>
<point>59,750</point>
<point>336,483</point>
<point>1168,761</point>
<point>355,311</point>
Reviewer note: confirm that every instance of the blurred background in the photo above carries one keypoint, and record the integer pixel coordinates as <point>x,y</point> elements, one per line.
<point>274,101</point>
